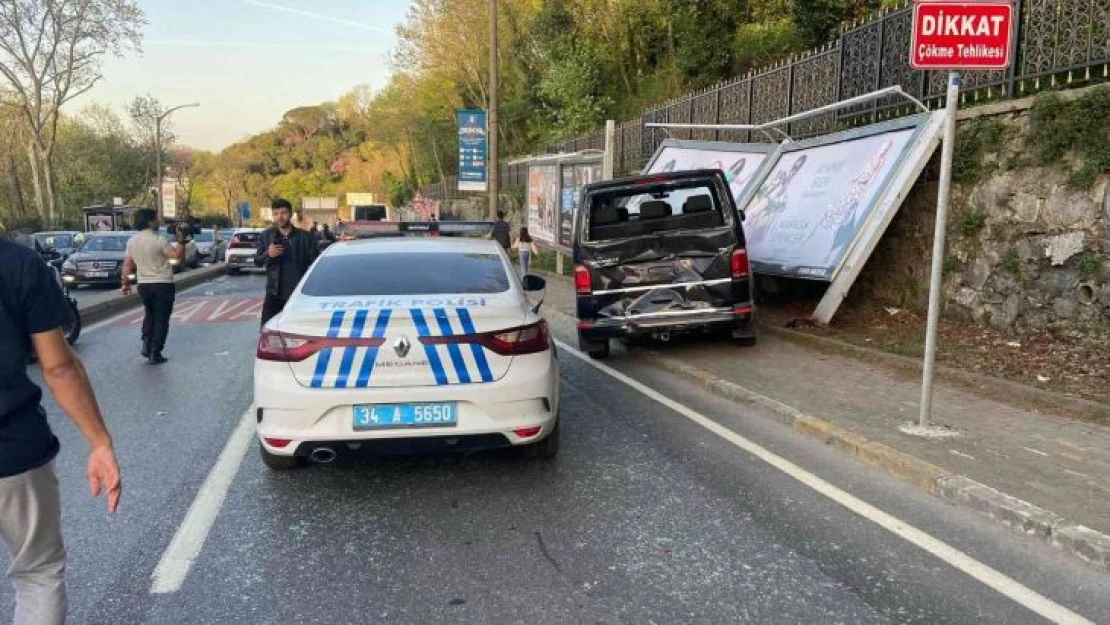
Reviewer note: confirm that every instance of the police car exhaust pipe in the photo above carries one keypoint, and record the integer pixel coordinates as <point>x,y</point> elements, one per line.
<point>323,455</point>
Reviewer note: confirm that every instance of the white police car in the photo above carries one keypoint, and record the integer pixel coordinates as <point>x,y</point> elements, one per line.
<point>403,345</point>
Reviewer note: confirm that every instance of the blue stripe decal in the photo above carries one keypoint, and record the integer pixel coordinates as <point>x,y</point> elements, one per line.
<point>476,349</point>
<point>325,355</point>
<point>452,348</point>
<point>430,350</point>
<point>372,355</point>
<point>349,352</point>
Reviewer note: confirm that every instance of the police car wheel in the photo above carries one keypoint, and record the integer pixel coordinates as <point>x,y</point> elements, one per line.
<point>545,449</point>
<point>281,463</point>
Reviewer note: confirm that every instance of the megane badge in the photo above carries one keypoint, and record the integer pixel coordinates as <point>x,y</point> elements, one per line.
<point>402,347</point>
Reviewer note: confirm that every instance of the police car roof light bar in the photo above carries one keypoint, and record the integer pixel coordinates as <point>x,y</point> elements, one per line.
<point>363,229</point>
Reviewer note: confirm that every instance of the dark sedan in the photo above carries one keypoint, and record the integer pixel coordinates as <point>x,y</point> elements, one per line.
<point>98,260</point>
<point>59,243</point>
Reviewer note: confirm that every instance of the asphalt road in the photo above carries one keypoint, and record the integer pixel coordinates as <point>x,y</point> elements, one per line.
<point>646,516</point>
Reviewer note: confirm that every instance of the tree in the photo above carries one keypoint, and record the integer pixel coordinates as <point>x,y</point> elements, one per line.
<point>50,53</point>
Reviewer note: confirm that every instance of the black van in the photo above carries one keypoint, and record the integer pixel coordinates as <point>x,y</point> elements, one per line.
<point>659,255</point>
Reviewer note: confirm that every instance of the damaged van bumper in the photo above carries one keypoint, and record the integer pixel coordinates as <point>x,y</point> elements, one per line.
<point>740,320</point>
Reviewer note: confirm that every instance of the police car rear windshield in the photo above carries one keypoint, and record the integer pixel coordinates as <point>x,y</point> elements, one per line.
<point>407,274</point>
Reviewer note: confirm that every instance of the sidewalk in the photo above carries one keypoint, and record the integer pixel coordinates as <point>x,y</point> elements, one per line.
<point>1041,473</point>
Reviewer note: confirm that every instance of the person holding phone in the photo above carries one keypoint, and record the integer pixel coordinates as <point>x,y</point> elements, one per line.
<point>286,252</point>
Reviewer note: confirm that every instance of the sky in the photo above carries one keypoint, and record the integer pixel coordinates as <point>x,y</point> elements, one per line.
<point>248,61</point>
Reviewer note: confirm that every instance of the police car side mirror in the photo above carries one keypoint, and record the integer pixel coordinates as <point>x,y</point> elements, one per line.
<point>533,283</point>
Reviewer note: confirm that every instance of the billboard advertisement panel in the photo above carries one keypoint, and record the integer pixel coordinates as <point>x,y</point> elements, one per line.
<point>810,208</point>
<point>740,167</point>
<point>472,149</point>
<point>544,213</point>
<point>575,177</point>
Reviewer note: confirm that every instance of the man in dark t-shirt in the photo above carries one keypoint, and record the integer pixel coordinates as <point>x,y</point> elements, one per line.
<point>32,312</point>
<point>501,232</point>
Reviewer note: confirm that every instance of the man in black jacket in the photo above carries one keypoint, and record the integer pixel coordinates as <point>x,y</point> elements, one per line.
<point>286,252</point>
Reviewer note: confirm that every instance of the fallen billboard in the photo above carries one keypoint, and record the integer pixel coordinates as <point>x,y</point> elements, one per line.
<point>811,207</point>
<point>741,162</point>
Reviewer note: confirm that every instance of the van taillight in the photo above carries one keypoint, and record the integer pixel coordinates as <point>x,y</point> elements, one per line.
<point>582,282</point>
<point>740,267</point>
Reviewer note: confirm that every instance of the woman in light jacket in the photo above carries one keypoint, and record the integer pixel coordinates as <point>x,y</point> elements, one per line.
<point>525,248</point>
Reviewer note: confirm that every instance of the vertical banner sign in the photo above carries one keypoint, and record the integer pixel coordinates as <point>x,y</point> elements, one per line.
<point>169,200</point>
<point>472,150</point>
<point>961,35</point>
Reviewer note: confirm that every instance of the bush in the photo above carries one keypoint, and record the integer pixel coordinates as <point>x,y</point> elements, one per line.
<point>972,224</point>
<point>1081,127</point>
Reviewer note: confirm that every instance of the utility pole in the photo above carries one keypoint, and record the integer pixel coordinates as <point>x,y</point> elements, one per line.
<point>158,153</point>
<point>493,170</point>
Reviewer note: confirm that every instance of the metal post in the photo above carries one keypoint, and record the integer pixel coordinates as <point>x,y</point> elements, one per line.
<point>158,166</point>
<point>608,161</point>
<point>494,96</point>
<point>935,279</point>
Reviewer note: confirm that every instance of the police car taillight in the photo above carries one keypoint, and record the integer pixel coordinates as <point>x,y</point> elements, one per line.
<point>530,339</point>
<point>281,347</point>
<point>740,266</point>
<point>518,341</point>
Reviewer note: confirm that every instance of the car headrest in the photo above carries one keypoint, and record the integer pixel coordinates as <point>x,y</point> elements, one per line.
<point>655,209</point>
<point>698,204</point>
<point>605,215</point>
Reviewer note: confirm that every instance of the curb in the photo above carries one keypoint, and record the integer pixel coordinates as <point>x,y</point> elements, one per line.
<point>103,310</point>
<point>1087,544</point>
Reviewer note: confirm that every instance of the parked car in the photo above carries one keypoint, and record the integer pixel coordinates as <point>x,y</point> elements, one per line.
<point>98,259</point>
<point>661,255</point>
<point>241,248</point>
<point>190,260</point>
<point>60,242</point>
<point>210,246</point>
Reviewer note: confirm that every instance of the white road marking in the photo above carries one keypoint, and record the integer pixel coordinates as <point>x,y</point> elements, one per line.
<point>1005,585</point>
<point>183,550</point>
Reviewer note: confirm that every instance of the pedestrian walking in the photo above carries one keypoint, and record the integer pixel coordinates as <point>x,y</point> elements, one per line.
<point>525,248</point>
<point>286,252</point>
<point>148,257</point>
<point>32,313</point>
<point>329,236</point>
<point>501,231</point>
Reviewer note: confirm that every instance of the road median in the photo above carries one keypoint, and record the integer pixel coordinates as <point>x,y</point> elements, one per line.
<point>104,309</point>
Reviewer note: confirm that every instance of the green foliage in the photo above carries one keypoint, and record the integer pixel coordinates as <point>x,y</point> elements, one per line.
<point>1059,128</point>
<point>760,44</point>
<point>982,136</point>
<point>818,20</point>
<point>1089,264</point>
<point>1011,261</point>
<point>972,223</point>
<point>950,266</point>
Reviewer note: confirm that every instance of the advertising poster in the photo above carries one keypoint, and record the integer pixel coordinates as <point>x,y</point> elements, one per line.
<point>574,178</point>
<point>169,199</point>
<point>543,203</point>
<point>99,223</point>
<point>809,209</point>
<point>739,167</point>
<point>472,149</point>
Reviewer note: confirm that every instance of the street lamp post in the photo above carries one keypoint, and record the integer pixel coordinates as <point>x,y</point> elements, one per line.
<point>158,152</point>
<point>493,165</point>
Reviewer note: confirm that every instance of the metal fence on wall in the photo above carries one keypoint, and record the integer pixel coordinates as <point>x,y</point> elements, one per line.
<point>1058,42</point>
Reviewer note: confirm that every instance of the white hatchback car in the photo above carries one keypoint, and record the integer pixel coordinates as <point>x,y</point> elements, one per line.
<point>401,345</point>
